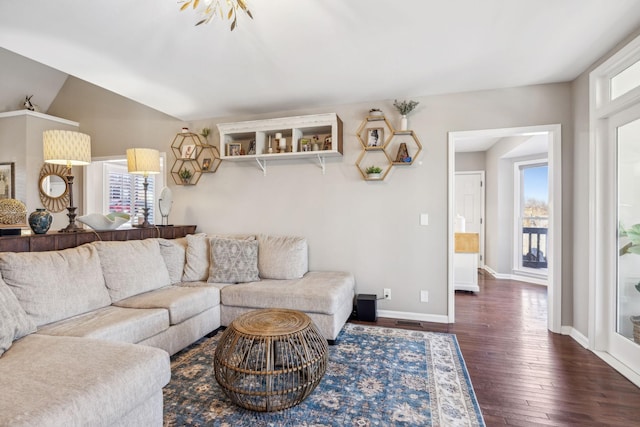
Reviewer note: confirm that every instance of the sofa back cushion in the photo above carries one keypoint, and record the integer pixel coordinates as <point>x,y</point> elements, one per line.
<point>15,322</point>
<point>132,267</point>
<point>55,285</point>
<point>282,257</point>
<point>174,254</point>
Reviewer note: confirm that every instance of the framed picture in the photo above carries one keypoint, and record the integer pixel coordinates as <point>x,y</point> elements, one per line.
<point>252,147</point>
<point>234,149</point>
<point>206,164</point>
<point>327,143</point>
<point>7,180</point>
<point>375,137</point>
<point>189,151</point>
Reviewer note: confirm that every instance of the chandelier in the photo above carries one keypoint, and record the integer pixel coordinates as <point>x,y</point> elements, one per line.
<point>217,7</point>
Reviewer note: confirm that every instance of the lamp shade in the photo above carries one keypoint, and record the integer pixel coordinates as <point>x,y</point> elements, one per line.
<point>65,147</point>
<point>143,161</point>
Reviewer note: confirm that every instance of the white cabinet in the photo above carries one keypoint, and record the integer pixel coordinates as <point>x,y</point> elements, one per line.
<point>465,272</point>
<point>315,136</point>
<point>465,262</point>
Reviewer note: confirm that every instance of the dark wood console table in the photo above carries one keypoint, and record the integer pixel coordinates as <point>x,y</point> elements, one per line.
<point>55,241</point>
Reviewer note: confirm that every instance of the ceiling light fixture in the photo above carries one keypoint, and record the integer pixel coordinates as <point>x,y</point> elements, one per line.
<point>215,7</point>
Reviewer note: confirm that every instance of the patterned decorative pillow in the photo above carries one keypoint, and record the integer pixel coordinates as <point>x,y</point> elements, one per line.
<point>233,261</point>
<point>15,322</point>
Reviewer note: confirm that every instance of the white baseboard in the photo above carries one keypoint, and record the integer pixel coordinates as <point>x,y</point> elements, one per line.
<point>619,366</point>
<point>518,277</point>
<point>435,318</point>
<point>577,336</point>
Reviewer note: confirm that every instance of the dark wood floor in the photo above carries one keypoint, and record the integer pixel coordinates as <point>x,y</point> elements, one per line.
<point>524,375</point>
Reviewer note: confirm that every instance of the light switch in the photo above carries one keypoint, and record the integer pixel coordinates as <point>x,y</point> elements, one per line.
<point>424,219</point>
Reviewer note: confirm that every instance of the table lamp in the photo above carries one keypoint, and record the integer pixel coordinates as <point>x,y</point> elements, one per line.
<point>144,161</point>
<point>68,148</point>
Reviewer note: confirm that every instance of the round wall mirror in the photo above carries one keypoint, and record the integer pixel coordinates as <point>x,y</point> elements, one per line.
<point>52,187</point>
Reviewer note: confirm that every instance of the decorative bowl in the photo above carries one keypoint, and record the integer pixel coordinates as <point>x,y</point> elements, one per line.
<point>100,222</point>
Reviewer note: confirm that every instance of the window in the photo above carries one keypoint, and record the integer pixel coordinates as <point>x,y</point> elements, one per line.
<point>125,191</point>
<point>110,188</point>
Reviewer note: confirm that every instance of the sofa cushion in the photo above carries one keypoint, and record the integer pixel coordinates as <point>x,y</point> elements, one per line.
<point>132,267</point>
<point>15,322</point>
<point>317,292</point>
<point>56,285</point>
<point>233,261</point>
<point>174,254</point>
<point>113,324</point>
<point>282,257</point>
<point>67,381</point>
<point>181,302</point>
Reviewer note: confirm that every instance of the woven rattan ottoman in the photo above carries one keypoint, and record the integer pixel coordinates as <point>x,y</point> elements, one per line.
<point>269,360</point>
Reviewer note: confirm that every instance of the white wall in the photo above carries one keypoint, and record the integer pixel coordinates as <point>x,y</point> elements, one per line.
<point>21,142</point>
<point>368,228</point>
<point>470,161</point>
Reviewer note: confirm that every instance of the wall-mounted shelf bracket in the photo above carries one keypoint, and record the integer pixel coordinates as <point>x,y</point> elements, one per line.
<point>262,163</point>
<point>321,162</point>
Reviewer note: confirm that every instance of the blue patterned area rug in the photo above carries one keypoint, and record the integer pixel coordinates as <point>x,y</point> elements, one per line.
<point>375,377</point>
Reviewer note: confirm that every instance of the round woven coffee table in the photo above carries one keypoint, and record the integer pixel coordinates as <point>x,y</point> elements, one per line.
<point>269,360</point>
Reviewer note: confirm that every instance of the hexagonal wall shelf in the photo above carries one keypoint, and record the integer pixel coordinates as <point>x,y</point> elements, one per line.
<point>374,132</point>
<point>403,156</point>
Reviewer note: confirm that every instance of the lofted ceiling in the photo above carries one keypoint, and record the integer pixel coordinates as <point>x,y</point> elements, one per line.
<point>296,54</point>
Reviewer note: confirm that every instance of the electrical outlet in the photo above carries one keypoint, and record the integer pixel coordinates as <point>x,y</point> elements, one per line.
<point>424,296</point>
<point>387,293</point>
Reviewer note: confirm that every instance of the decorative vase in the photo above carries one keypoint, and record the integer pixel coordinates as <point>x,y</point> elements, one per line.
<point>40,221</point>
<point>403,122</point>
<point>374,175</point>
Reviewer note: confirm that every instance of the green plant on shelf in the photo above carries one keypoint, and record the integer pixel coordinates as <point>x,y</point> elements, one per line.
<point>373,170</point>
<point>185,175</point>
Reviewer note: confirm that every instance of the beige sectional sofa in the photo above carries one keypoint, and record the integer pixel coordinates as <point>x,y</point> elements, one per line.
<point>86,333</point>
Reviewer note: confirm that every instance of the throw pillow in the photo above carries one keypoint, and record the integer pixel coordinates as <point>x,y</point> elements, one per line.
<point>233,261</point>
<point>198,254</point>
<point>282,257</point>
<point>174,254</point>
<point>15,322</point>
<point>196,267</point>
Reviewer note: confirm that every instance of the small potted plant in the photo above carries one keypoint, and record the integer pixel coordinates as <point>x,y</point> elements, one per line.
<point>404,108</point>
<point>185,175</point>
<point>373,172</point>
<point>375,112</point>
<point>205,132</point>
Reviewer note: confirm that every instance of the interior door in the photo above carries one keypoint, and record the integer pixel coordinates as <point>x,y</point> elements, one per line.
<point>469,203</point>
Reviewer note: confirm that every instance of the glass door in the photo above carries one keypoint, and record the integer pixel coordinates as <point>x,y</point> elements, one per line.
<point>532,194</point>
<point>628,257</point>
<point>624,255</point>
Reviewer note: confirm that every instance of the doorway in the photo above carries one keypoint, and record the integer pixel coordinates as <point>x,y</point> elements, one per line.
<point>501,241</point>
